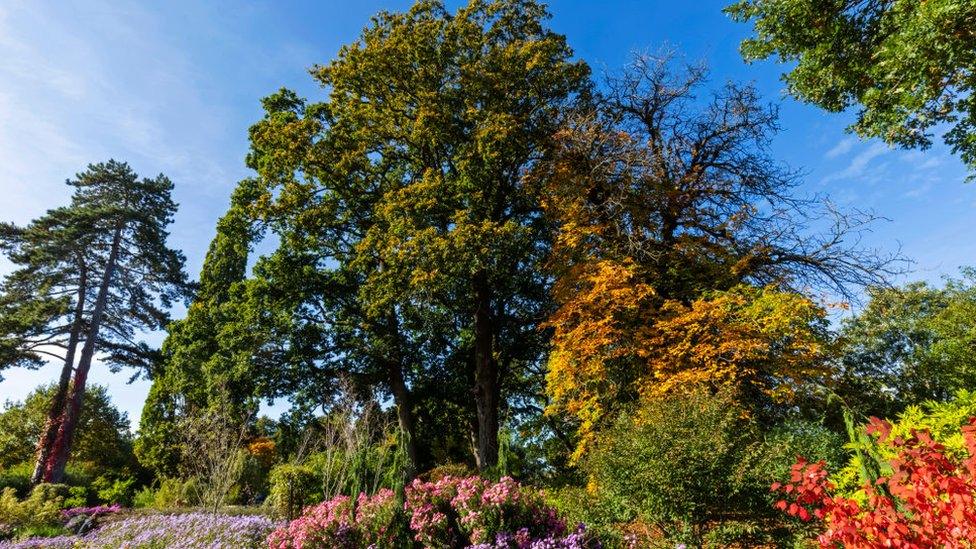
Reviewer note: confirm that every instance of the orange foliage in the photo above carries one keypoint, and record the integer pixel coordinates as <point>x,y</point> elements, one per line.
<point>614,340</point>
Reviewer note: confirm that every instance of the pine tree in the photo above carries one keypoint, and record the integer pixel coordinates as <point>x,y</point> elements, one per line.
<point>105,274</point>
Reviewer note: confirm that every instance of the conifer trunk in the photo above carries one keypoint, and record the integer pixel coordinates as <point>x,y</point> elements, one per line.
<point>55,411</point>
<point>62,445</point>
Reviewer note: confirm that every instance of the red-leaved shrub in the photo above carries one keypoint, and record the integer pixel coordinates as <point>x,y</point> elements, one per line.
<point>926,501</point>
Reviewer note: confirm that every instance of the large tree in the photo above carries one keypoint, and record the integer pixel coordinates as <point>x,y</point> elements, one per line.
<point>194,373</point>
<point>683,254</point>
<point>909,66</point>
<point>43,304</point>
<point>409,180</point>
<point>104,257</point>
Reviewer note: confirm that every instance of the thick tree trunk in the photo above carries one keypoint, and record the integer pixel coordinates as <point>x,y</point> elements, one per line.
<point>62,445</point>
<point>55,411</point>
<point>485,376</point>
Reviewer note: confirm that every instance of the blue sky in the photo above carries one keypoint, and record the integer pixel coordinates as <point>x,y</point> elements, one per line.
<point>173,86</point>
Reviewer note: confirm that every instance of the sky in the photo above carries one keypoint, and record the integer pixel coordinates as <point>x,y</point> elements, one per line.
<point>172,87</point>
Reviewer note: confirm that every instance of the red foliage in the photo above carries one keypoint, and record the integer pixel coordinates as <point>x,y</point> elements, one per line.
<point>927,501</point>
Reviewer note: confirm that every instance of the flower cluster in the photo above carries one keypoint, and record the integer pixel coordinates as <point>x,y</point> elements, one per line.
<point>343,523</point>
<point>91,511</point>
<point>450,512</point>
<point>926,501</point>
<point>479,512</point>
<point>190,531</point>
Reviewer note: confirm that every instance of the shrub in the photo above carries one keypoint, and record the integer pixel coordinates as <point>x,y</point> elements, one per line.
<point>926,500</point>
<point>40,511</point>
<point>170,493</point>
<point>115,490</point>
<point>604,515</point>
<point>293,487</point>
<point>676,464</point>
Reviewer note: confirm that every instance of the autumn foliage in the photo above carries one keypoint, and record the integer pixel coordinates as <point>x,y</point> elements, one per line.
<point>926,501</point>
<point>615,340</point>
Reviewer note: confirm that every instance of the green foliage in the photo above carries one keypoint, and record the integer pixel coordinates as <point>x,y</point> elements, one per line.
<point>293,487</point>
<point>908,65</point>
<point>909,345</point>
<point>103,441</point>
<point>42,509</point>
<point>690,464</point>
<point>168,493</point>
<point>18,478</point>
<point>603,513</point>
<point>115,489</point>
<point>195,371</point>
<point>674,463</point>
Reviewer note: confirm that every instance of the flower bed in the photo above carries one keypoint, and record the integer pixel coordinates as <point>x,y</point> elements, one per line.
<point>189,531</point>
<point>451,512</point>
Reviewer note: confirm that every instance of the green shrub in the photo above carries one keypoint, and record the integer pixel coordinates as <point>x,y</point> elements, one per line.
<point>114,490</point>
<point>17,477</point>
<point>603,514</point>
<point>168,493</point>
<point>144,498</point>
<point>292,488</point>
<point>41,511</point>
<point>674,464</point>
<point>77,497</point>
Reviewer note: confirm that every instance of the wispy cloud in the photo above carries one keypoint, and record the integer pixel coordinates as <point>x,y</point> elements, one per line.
<point>857,166</point>
<point>842,147</point>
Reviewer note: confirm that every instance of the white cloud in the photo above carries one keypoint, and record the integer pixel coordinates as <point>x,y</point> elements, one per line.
<point>842,147</point>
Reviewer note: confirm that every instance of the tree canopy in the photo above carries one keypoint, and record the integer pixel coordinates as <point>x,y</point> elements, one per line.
<point>908,66</point>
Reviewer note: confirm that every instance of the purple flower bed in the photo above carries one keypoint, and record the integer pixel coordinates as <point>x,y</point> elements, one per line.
<point>59,542</point>
<point>189,531</point>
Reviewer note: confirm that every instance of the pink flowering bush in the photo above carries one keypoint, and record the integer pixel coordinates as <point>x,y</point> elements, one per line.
<point>345,523</point>
<point>445,514</point>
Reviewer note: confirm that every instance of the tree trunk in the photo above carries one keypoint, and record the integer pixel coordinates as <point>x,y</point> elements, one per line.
<point>56,410</point>
<point>404,405</point>
<point>485,376</point>
<point>398,386</point>
<point>62,445</point>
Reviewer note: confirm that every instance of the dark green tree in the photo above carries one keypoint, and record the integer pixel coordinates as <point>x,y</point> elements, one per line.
<point>192,374</point>
<point>415,167</point>
<point>909,66</point>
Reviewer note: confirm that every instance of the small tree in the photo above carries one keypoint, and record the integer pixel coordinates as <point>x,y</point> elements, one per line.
<point>213,455</point>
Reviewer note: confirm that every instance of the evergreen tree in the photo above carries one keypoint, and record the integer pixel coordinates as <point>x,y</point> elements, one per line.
<point>104,260</point>
<point>185,380</point>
